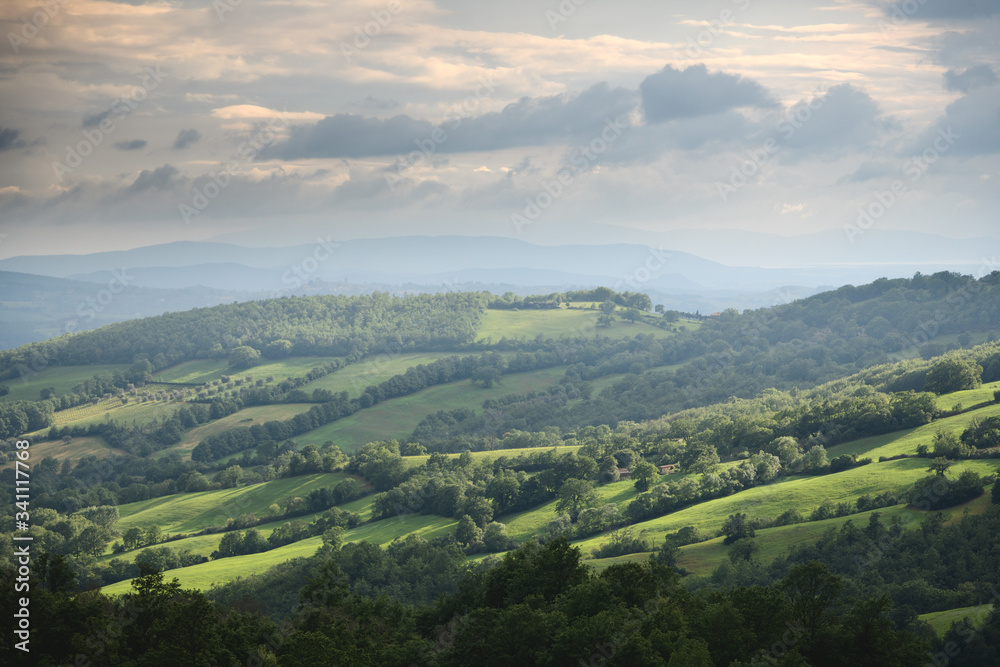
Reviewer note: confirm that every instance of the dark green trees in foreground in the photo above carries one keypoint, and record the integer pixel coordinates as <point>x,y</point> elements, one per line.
<point>540,605</point>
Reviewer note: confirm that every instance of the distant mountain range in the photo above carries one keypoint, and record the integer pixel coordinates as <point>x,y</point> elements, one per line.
<point>41,294</point>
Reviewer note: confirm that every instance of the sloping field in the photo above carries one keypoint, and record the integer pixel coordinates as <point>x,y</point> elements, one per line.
<point>941,620</point>
<point>906,442</point>
<point>204,575</point>
<point>397,417</point>
<point>73,450</point>
<point>61,378</point>
<point>968,398</point>
<point>355,378</point>
<point>802,493</point>
<point>414,461</point>
<point>191,512</point>
<point>257,414</point>
<point>559,322</point>
<point>200,371</point>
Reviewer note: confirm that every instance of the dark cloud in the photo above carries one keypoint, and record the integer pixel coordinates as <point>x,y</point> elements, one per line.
<point>10,139</point>
<point>973,121</point>
<point>869,170</point>
<point>938,9</point>
<point>161,178</point>
<point>95,119</point>
<point>133,145</point>
<point>671,93</point>
<point>842,119</point>
<point>351,136</point>
<point>974,77</point>
<point>527,122</point>
<point>185,138</point>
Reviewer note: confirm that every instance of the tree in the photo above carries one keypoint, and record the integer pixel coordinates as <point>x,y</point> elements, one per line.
<point>278,349</point>
<point>495,537</point>
<point>939,466</point>
<point>632,314</point>
<point>737,527</point>
<point>605,320</point>
<point>133,538</point>
<point>231,476</point>
<point>575,495</point>
<point>743,549</point>
<point>644,473</point>
<point>487,376</point>
<point>954,374</point>
<point>467,531</point>
<point>243,356</point>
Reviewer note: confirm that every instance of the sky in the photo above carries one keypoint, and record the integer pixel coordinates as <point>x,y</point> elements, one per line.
<point>125,124</point>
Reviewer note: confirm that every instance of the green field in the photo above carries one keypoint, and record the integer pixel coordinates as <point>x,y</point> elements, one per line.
<point>133,411</point>
<point>397,417</point>
<point>207,370</point>
<point>74,450</point>
<point>802,493</point>
<point>355,378</point>
<point>216,572</point>
<point>560,322</point>
<point>414,461</point>
<point>61,378</point>
<point>967,398</point>
<point>906,442</point>
<point>191,512</point>
<point>257,414</point>
<point>941,620</point>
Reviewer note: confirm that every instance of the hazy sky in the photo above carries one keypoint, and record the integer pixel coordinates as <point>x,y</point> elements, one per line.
<point>272,122</point>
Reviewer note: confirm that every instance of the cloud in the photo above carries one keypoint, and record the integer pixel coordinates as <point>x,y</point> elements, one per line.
<point>670,93</point>
<point>94,120</point>
<point>974,119</point>
<point>534,121</point>
<point>10,139</point>
<point>161,178</point>
<point>939,9</point>
<point>185,138</point>
<point>868,170</point>
<point>254,112</point>
<point>133,145</point>
<point>844,118</point>
<point>973,77</point>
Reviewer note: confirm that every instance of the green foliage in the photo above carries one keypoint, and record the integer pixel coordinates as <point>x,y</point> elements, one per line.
<point>575,495</point>
<point>737,527</point>
<point>983,434</point>
<point>644,474</point>
<point>243,357</point>
<point>954,374</point>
